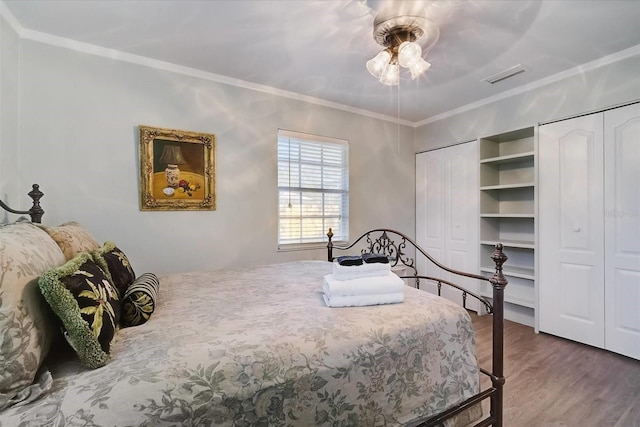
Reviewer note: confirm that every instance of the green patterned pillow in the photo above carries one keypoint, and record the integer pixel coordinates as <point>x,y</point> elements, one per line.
<point>80,294</point>
<point>112,260</point>
<point>140,300</point>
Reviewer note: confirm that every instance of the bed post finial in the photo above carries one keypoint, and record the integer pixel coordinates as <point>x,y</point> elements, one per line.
<point>330,246</point>
<point>499,258</point>
<point>36,210</point>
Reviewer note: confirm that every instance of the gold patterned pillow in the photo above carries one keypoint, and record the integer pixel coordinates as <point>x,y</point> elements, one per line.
<point>26,325</point>
<point>72,237</point>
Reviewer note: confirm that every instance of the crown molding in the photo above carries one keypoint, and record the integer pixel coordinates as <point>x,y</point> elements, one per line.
<point>580,69</point>
<point>91,49</point>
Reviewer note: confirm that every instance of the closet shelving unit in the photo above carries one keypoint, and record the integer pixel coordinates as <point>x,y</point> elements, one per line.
<point>508,215</point>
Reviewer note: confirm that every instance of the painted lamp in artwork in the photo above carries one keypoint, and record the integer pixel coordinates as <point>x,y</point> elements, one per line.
<point>172,156</point>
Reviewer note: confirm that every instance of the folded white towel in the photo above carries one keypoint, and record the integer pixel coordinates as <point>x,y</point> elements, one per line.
<point>363,300</point>
<point>388,284</point>
<point>343,272</point>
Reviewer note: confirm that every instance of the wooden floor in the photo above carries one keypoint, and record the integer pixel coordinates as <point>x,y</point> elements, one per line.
<point>554,382</point>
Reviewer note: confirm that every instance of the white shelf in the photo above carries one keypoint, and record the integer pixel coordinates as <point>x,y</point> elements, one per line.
<point>501,160</point>
<point>506,215</point>
<point>518,291</point>
<point>509,243</point>
<point>511,271</point>
<point>512,300</point>
<point>507,186</point>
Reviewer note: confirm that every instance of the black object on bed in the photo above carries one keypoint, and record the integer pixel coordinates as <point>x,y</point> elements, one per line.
<point>375,258</point>
<point>349,260</point>
<point>379,243</point>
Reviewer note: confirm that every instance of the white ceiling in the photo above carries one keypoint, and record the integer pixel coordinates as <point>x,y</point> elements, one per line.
<point>318,48</point>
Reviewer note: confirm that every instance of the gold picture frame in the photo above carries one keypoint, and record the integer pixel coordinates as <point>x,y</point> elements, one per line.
<point>177,169</point>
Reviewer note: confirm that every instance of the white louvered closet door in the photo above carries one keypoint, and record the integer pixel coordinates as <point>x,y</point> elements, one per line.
<point>622,230</point>
<point>571,270</point>
<point>447,215</point>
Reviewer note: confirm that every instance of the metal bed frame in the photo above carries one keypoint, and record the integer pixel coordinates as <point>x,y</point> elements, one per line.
<point>36,211</point>
<point>396,252</point>
<point>378,241</point>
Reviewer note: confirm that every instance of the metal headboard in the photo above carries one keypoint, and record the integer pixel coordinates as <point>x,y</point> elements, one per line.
<point>36,211</point>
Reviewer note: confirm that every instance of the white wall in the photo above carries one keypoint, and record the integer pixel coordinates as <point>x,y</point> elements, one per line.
<point>9,119</point>
<point>598,88</point>
<point>78,135</point>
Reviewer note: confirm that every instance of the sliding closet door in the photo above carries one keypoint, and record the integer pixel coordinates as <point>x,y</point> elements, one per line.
<point>447,214</point>
<point>571,227</point>
<point>622,230</point>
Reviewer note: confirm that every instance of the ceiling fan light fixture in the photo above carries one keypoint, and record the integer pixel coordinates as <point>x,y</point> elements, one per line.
<point>404,39</point>
<point>378,63</point>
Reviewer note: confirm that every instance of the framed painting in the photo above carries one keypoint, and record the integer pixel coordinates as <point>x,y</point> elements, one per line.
<point>177,169</point>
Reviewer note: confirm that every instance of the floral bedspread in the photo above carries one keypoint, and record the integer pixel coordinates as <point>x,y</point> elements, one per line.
<point>259,347</point>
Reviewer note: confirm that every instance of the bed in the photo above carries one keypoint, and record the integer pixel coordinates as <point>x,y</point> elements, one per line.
<point>256,346</point>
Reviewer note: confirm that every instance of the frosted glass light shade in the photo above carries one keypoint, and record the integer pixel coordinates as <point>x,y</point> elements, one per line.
<point>391,75</point>
<point>410,56</point>
<point>408,53</point>
<point>378,64</point>
<point>418,67</point>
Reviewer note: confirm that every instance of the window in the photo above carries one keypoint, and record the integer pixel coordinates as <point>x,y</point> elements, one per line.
<point>313,188</point>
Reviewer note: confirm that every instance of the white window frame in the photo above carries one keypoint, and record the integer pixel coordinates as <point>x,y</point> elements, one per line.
<point>292,188</point>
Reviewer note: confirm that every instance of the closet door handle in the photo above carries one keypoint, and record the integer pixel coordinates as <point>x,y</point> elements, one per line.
<point>576,228</point>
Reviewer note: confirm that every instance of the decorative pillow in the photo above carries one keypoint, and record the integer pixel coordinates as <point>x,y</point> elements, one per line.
<point>80,294</point>
<point>26,326</point>
<point>72,238</point>
<point>140,300</point>
<point>112,260</point>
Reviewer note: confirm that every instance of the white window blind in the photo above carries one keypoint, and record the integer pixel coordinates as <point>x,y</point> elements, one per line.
<point>313,187</point>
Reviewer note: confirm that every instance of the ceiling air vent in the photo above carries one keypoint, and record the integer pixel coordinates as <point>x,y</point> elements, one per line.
<point>509,72</point>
